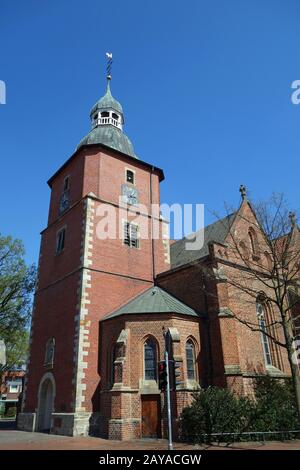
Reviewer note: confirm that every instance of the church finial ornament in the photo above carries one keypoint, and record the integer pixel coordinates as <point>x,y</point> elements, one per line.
<point>109,65</point>
<point>243,192</point>
<point>292,217</point>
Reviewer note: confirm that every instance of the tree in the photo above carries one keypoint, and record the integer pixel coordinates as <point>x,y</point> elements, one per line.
<point>263,265</point>
<point>17,283</point>
<point>17,346</point>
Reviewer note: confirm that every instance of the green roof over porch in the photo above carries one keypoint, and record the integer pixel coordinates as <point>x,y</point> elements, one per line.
<point>154,300</point>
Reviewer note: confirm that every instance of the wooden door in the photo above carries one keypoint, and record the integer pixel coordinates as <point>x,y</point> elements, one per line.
<point>151,416</point>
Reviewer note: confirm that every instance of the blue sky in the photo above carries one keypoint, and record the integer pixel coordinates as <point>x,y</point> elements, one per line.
<point>205,86</point>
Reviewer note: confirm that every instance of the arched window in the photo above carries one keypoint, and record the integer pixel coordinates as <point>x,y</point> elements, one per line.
<point>112,368</point>
<point>150,359</point>
<point>105,114</point>
<point>260,310</point>
<point>190,360</point>
<point>253,241</point>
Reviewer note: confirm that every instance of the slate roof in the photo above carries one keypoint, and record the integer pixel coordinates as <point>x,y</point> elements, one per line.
<point>110,136</point>
<point>215,232</point>
<point>154,300</point>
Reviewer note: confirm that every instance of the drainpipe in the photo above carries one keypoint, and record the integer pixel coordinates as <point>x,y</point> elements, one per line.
<point>208,332</point>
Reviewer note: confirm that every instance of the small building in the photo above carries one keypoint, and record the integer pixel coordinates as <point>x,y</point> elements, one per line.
<point>11,391</point>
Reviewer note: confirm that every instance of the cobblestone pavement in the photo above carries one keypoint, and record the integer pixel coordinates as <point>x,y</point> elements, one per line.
<point>11,439</point>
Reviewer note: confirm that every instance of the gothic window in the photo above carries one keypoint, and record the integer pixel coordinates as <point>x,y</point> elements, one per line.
<point>150,359</point>
<point>253,242</point>
<point>261,315</point>
<point>49,353</point>
<point>113,358</point>
<point>190,360</point>
<point>130,235</point>
<point>66,183</point>
<point>60,240</point>
<point>64,201</point>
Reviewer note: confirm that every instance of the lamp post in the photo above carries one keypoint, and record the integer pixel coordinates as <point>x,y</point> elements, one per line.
<point>167,350</point>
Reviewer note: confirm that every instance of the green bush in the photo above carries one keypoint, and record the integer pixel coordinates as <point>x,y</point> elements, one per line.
<point>219,411</point>
<point>11,412</point>
<point>275,405</point>
<point>215,410</point>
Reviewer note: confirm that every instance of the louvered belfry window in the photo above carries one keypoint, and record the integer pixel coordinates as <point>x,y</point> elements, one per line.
<point>131,235</point>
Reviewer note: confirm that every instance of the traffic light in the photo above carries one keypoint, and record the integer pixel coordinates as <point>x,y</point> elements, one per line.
<point>162,376</point>
<point>177,374</point>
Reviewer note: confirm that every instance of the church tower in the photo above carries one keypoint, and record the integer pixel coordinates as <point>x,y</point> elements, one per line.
<point>86,273</point>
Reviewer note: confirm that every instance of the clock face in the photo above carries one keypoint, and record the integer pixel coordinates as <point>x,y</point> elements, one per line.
<point>64,202</point>
<point>129,194</point>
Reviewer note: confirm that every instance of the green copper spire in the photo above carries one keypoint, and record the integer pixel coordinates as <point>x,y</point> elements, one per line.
<point>108,101</point>
<point>107,121</point>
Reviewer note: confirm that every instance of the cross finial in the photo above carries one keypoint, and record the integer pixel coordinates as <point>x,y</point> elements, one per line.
<point>109,65</point>
<point>243,192</point>
<point>292,217</point>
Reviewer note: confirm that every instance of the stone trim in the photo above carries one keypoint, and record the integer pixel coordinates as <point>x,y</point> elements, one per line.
<point>225,312</point>
<point>148,387</point>
<point>232,369</point>
<point>123,337</point>
<point>273,371</point>
<point>219,274</point>
<point>174,333</point>
<point>82,325</point>
<point>190,385</point>
<point>119,387</point>
<point>166,241</point>
<point>126,420</point>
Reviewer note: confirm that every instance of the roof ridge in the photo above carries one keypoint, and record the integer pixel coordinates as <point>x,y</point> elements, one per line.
<point>167,296</point>
<point>206,226</point>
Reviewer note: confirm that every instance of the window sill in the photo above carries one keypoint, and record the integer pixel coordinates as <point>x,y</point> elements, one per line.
<point>272,371</point>
<point>148,387</point>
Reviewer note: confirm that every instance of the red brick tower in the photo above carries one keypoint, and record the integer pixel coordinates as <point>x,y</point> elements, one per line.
<point>84,276</point>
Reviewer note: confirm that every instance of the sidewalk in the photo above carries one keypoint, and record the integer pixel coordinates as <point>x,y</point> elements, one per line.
<point>11,439</point>
<point>18,440</point>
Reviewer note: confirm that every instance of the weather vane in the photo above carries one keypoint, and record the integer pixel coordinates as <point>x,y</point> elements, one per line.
<point>109,65</point>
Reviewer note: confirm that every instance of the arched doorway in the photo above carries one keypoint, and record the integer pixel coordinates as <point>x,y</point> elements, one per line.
<point>46,403</point>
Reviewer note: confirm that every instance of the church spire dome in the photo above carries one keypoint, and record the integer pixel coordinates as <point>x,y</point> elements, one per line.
<point>107,111</point>
<point>107,121</point>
